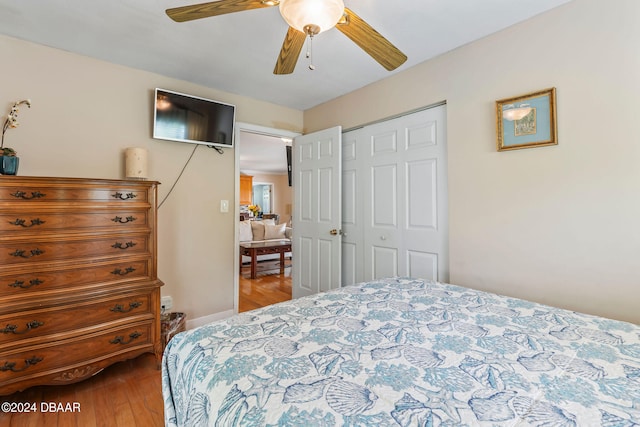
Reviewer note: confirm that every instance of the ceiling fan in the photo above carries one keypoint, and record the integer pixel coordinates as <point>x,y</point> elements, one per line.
<point>305,18</point>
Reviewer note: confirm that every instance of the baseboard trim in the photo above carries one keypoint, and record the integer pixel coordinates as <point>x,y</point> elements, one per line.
<point>200,321</point>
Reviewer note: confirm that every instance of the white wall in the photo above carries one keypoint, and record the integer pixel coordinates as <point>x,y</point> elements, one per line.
<point>559,224</point>
<point>85,112</point>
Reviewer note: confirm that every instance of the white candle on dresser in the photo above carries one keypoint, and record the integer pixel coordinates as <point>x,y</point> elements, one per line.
<point>136,163</point>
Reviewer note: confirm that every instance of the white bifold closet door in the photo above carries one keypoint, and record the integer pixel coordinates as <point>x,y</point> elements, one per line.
<point>394,199</point>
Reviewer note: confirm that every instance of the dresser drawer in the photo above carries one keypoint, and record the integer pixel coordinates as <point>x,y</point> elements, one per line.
<point>89,276</point>
<point>14,328</point>
<point>43,192</point>
<point>37,222</point>
<point>61,355</point>
<point>69,247</point>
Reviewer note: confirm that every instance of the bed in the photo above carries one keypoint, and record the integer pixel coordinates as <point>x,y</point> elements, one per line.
<point>405,352</point>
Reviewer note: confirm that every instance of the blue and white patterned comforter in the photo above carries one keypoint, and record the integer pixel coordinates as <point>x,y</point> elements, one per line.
<point>405,352</point>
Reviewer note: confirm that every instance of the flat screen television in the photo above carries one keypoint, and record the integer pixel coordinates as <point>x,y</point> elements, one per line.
<point>187,118</point>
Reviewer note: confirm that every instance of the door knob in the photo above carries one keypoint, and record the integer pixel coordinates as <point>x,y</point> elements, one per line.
<point>335,232</point>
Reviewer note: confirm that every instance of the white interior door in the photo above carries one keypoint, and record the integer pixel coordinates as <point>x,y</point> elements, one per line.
<point>317,215</point>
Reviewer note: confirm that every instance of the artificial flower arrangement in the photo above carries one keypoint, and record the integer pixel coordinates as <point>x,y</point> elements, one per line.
<point>254,209</point>
<point>12,122</point>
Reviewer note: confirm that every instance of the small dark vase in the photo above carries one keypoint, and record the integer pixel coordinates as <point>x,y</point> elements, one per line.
<point>9,165</point>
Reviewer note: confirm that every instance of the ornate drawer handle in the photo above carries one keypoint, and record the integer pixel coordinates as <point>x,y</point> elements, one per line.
<point>119,220</point>
<point>119,245</point>
<point>119,308</point>
<point>20,283</point>
<point>11,366</point>
<point>23,195</point>
<point>121,196</point>
<point>120,339</point>
<point>13,329</point>
<point>119,272</point>
<point>22,222</point>
<point>21,253</point>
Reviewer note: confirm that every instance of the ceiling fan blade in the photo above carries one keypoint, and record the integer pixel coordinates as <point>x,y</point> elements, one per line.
<point>291,47</point>
<point>371,41</point>
<point>215,8</point>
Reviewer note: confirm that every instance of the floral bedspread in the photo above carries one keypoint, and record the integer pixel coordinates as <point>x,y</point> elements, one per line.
<point>405,352</point>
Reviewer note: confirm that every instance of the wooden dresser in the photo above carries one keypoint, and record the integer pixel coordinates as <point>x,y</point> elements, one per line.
<point>78,278</point>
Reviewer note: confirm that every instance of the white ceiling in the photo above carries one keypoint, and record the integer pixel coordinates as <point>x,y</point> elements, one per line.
<point>237,52</point>
<point>262,154</point>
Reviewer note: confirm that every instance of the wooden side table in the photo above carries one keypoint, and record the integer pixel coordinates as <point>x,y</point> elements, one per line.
<point>253,249</point>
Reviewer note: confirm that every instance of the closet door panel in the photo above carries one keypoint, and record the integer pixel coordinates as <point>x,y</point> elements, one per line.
<point>402,173</point>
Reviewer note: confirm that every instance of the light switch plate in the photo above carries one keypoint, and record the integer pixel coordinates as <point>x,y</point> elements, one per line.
<point>224,206</point>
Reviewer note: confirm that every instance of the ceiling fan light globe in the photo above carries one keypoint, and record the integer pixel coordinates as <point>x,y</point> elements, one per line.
<point>323,14</point>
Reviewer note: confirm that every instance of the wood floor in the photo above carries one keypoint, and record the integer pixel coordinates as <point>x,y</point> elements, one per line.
<point>129,394</point>
<point>125,394</point>
<point>268,288</point>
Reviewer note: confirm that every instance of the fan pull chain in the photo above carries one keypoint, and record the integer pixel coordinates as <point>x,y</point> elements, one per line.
<point>310,52</point>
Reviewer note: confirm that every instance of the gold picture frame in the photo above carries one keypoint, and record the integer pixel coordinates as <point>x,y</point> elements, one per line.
<point>527,121</point>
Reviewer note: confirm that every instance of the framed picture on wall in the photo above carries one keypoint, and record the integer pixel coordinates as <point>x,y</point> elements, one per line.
<point>527,121</point>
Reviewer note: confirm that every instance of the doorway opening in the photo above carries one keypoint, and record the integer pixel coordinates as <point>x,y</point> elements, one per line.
<point>261,158</point>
